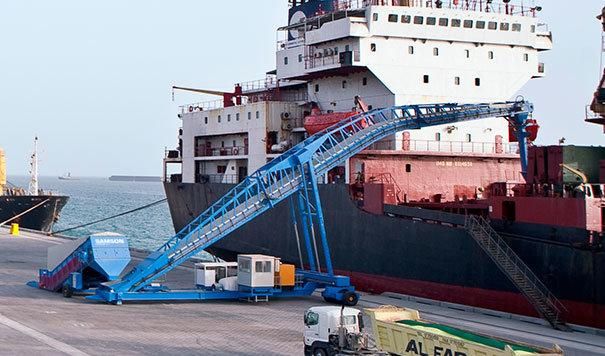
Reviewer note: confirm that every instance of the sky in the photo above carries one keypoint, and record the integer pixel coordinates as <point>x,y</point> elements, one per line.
<point>92,79</point>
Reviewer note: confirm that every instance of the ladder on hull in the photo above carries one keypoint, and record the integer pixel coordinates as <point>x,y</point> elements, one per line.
<point>539,296</point>
<point>296,172</point>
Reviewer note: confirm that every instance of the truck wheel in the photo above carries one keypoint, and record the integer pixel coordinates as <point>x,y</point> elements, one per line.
<point>67,291</point>
<point>319,351</point>
<point>330,300</point>
<point>350,299</point>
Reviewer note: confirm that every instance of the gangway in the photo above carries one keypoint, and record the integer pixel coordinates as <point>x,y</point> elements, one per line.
<point>295,174</point>
<point>81,265</point>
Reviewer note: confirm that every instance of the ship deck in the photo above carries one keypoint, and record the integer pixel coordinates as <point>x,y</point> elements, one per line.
<point>40,322</point>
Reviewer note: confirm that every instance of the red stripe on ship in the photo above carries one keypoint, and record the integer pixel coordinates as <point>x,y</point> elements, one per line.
<point>578,312</point>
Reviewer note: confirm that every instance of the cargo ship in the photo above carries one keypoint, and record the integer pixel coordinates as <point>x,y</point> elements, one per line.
<point>395,212</point>
<point>31,208</point>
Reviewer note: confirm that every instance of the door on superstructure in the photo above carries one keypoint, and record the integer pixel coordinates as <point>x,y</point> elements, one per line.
<point>242,173</point>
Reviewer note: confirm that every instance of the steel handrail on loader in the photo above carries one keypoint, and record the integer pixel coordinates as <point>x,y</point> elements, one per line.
<point>284,176</point>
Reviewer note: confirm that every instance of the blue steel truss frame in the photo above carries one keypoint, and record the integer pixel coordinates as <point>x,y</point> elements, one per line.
<point>296,172</point>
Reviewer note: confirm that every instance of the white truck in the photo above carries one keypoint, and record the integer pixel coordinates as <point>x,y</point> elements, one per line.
<point>334,330</point>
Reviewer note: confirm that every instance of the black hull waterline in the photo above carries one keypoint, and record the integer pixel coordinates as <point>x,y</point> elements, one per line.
<point>427,259</point>
<point>41,218</point>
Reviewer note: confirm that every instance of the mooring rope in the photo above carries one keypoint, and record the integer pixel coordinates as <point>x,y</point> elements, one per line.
<point>111,217</point>
<point>23,213</point>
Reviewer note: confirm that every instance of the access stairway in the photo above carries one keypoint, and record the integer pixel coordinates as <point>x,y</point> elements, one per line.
<point>544,302</point>
<point>297,171</point>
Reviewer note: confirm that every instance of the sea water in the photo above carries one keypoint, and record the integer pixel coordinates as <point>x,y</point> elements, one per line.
<point>92,199</point>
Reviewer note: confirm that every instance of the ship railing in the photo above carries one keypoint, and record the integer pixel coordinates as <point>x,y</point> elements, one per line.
<point>323,59</point>
<point>268,82</point>
<point>512,189</point>
<point>217,178</point>
<point>207,105</point>
<point>488,6</point>
<point>449,146</point>
<point>203,151</point>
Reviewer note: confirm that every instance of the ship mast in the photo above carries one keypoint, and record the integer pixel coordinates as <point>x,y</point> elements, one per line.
<point>33,182</point>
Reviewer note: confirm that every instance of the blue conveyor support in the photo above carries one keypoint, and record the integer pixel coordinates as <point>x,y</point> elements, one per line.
<point>287,174</point>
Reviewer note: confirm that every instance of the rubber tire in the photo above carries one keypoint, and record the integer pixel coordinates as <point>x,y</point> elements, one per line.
<point>350,299</point>
<point>331,300</point>
<point>67,291</point>
<point>319,351</point>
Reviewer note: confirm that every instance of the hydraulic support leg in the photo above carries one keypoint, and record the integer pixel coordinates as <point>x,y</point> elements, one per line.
<point>520,123</point>
<point>320,221</point>
<point>305,230</point>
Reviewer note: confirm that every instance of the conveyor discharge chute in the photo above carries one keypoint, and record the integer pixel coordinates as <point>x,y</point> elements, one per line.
<point>83,264</point>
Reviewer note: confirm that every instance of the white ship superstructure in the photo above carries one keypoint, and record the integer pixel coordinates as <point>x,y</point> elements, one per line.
<point>387,53</point>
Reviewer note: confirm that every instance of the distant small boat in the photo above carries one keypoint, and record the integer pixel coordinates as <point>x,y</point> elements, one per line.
<point>67,177</point>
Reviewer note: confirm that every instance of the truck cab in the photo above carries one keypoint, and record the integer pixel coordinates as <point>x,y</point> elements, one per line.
<point>325,326</point>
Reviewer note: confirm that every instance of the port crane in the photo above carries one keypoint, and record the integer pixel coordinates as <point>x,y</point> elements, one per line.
<point>295,175</point>
<point>227,97</point>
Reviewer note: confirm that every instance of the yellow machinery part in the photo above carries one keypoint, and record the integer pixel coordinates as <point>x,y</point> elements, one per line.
<point>2,170</point>
<point>286,275</point>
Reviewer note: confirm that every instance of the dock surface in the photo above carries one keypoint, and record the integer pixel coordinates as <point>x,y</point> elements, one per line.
<point>37,322</point>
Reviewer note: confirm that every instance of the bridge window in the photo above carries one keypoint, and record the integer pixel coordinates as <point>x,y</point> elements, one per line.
<point>481,25</point>
<point>457,81</point>
<point>344,84</point>
<point>490,54</point>
<point>438,136</point>
<point>258,114</point>
<point>468,23</point>
<point>300,58</point>
<point>408,168</point>
<point>426,79</point>
<point>406,18</point>
<point>477,82</point>
<point>532,29</point>
<point>469,138</point>
<point>411,49</point>
<point>526,57</point>
<point>393,18</point>
<point>206,120</point>
<point>219,119</point>
<point>373,47</point>
<point>221,169</point>
<point>492,25</point>
<point>237,117</point>
<point>504,26</point>
<point>364,81</point>
<point>375,17</point>
<point>285,60</point>
<point>435,51</point>
<point>431,21</point>
<point>317,88</point>
<point>467,53</point>
<point>443,21</point>
<point>516,27</point>
<point>456,22</point>
<point>418,20</point>
<point>249,115</point>
<point>228,117</point>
